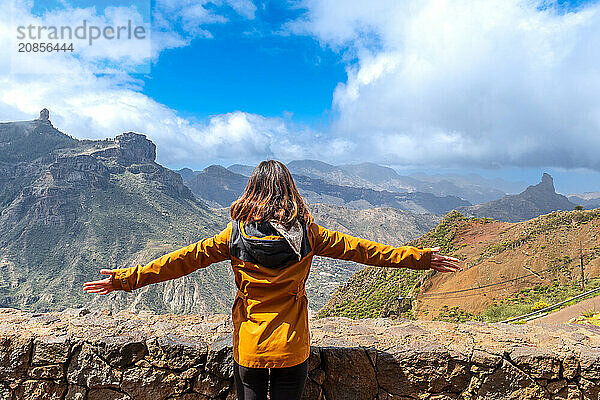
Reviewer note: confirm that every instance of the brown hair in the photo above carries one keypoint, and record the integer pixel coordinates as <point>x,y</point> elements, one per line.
<point>271,194</point>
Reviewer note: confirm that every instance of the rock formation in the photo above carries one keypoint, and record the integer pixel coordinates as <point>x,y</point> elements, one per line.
<point>78,354</point>
<point>136,147</point>
<point>44,115</point>
<point>536,200</point>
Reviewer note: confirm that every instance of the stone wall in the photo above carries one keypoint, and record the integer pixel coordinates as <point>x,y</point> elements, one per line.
<point>78,354</point>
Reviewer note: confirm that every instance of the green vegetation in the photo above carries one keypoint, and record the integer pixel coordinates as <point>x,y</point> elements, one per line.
<point>589,313</point>
<point>443,234</point>
<point>482,220</point>
<point>492,250</point>
<point>456,314</point>
<point>539,305</point>
<point>538,297</point>
<point>369,300</point>
<point>524,302</point>
<point>595,253</point>
<point>589,317</point>
<point>559,220</point>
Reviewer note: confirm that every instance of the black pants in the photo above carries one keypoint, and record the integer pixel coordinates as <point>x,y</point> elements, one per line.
<point>286,383</point>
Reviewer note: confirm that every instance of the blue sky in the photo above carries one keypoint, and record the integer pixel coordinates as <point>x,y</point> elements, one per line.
<point>502,88</point>
<point>258,72</point>
<point>251,65</point>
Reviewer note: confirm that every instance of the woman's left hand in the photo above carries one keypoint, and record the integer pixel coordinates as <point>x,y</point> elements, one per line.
<point>443,263</point>
<point>103,286</point>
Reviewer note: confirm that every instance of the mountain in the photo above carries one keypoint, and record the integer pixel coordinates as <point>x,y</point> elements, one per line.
<point>534,201</point>
<point>588,200</point>
<point>384,224</point>
<point>328,173</point>
<point>217,186</point>
<point>69,207</point>
<point>472,187</point>
<point>241,169</point>
<point>509,268</point>
<point>385,178</point>
<point>220,186</point>
<point>319,191</point>
<point>473,179</point>
<point>187,173</point>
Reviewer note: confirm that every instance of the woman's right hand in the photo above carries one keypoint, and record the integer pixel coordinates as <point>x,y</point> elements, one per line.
<point>103,286</point>
<point>443,263</point>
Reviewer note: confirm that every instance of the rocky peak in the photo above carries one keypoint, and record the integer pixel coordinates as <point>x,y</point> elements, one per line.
<point>547,182</point>
<point>22,141</point>
<point>544,188</point>
<point>44,115</point>
<point>136,147</point>
<point>536,200</point>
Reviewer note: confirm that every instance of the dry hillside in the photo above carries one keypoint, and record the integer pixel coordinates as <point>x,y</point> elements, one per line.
<point>537,259</point>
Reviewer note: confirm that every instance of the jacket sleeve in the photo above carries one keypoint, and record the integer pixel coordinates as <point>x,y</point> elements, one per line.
<point>175,264</point>
<point>334,244</point>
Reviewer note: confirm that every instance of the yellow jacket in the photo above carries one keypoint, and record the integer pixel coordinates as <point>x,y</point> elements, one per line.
<point>270,311</point>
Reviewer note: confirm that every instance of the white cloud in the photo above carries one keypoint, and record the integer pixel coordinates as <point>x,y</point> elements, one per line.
<point>83,28</point>
<point>92,107</point>
<point>87,105</point>
<point>174,24</point>
<point>465,82</point>
<point>177,22</point>
<point>245,8</point>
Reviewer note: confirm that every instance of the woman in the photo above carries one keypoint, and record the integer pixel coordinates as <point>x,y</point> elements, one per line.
<point>270,241</point>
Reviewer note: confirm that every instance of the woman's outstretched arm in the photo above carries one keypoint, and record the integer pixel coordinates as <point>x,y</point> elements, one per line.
<point>170,266</point>
<point>335,244</point>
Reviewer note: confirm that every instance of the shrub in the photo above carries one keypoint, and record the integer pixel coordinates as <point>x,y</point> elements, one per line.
<point>539,305</point>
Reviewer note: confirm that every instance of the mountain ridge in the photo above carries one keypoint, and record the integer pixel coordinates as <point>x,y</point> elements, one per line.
<point>221,186</point>
<point>70,207</point>
<point>535,200</point>
<point>472,188</point>
<point>588,200</point>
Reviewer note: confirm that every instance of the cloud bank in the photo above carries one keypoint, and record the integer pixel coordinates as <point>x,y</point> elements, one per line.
<point>431,83</point>
<point>465,83</point>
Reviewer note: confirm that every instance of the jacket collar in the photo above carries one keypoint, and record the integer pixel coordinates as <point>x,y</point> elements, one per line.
<point>293,235</point>
<point>273,231</point>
